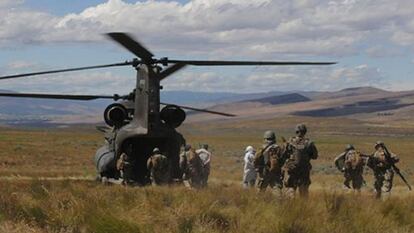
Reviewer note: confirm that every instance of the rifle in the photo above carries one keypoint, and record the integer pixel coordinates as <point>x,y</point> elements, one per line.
<point>259,167</point>
<point>395,168</point>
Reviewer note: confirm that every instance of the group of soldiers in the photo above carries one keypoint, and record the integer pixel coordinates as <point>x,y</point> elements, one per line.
<point>281,166</point>
<point>194,167</point>
<point>287,166</point>
<point>382,162</point>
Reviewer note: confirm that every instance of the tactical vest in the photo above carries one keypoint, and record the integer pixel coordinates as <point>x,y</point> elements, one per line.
<point>353,160</point>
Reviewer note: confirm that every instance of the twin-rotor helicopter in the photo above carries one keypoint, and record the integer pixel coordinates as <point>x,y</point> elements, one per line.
<point>136,122</point>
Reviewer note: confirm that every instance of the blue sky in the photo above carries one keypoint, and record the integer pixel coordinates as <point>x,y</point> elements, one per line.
<point>371,40</point>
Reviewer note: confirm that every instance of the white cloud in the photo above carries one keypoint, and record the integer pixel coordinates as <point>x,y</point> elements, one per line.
<point>261,29</point>
<point>223,28</point>
<point>106,83</point>
<point>277,79</point>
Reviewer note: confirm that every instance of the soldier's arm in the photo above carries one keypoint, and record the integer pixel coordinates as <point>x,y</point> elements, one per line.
<point>149,163</point>
<point>258,161</point>
<point>313,151</point>
<point>338,159</point>
<point>183,162</point>
<point>395,158</point>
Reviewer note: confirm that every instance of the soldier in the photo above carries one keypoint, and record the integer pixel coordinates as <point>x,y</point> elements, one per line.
<point>183,162</point>
<point>300,151</point>
<point>249,174</point>
<point>205,157</point>
<point>382,165</point>
<point>124,167</point>
<point>192,167</point>
<point>159,168</point>
<point>351,163</point>
<point>268,163</point>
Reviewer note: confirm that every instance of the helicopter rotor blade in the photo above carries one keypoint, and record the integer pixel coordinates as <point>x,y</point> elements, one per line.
<point>60,96</point>
<point>246,63</point>
<point>126,63</point>
<point>170,70</point>
<point>132,45</point>
<point>202,110</point>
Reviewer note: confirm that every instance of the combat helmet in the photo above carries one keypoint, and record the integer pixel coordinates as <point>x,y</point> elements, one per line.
<point>187,147</point>
<point>204,146</point>
<point>301,129</point>
<point>349,147</point>
<point>269,136</point>
<point>378,143</point>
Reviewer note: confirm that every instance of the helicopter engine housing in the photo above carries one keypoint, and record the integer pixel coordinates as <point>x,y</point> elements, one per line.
<point>115,114</point>
<point>172,115</point>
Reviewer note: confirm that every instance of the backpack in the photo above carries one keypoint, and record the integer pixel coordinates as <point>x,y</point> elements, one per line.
<point>353,159</point>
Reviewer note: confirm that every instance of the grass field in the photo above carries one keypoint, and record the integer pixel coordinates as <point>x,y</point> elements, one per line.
<point>28,203</point>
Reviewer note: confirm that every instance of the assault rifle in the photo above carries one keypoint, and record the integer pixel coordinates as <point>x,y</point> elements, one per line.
<point>395,168</point>
<point>259,155</point>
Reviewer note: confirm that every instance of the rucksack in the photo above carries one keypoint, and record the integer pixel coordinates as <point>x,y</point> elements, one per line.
<point>353,159</point>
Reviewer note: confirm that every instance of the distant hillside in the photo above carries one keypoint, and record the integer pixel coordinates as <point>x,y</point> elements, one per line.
<point>361,102</point>
<point>281,99</point>
<point>211,98</point>
<point>350,92</point>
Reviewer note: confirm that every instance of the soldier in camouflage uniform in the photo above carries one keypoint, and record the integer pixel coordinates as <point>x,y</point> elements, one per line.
<point>351,163</point>
<point>205,157</point>
<point>268,163</point>
<point>192,167</point>
<point>159,168</point>
<point>382,167</point>
<point>123,165</point>
<point>300,151</point>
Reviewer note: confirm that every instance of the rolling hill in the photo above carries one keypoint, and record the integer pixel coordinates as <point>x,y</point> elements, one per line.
<point>362,102</point>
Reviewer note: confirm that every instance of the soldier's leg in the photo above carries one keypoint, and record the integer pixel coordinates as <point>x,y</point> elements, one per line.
<point>357,182</point>
<point>263,183</point>
<point>206,173</point>
<point>290,184</point>
<point>379,181</point>
<point>347,180</point>
<point>388,178</point>
<point>276,184</point>
<point>304,184</point>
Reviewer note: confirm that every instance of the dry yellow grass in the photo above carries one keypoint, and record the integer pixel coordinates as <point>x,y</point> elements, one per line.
<point>83,206</point>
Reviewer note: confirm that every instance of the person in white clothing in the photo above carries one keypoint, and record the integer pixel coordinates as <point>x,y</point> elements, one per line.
<point>249,173</point>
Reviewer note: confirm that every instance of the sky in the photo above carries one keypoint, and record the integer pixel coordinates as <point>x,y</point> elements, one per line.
<point>372,41</point>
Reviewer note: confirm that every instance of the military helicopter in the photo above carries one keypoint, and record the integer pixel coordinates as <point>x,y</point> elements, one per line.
<point>135,123</point>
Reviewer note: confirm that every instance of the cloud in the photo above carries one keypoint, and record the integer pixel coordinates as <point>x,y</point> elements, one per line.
<point>100,83</point>
<point>277,79</point>
<point>226,27</point>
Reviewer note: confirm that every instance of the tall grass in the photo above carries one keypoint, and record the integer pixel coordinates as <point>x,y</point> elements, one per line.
<point>88,207</point>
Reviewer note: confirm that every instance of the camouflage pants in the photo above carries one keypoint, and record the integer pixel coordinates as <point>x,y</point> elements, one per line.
<point>383,181</point>
<point>195,179</point>
<point>206,174</point>
<point>160,177</point>
<point>354,177</point>
<point>297,178</point>
<point>274,180</point>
